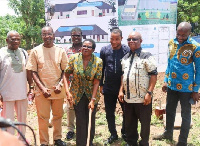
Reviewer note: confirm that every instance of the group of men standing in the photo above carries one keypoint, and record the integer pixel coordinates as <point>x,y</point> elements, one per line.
<point>129,75</point>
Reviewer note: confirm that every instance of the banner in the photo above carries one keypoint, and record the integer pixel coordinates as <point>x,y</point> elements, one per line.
<point>154,19</point>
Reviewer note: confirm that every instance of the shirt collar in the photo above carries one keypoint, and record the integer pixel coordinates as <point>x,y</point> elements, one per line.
<point>188,41</point>
<point>137,51</point>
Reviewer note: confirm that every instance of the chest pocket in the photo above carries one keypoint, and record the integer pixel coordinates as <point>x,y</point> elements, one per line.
<point>185,53</point>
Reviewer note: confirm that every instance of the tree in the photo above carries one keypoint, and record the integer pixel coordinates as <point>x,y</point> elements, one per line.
<point>113,9</point>
<point>8,23</point>
<point>167,16</point>
<point>188,10</point>
<point>158,14</point>
<point>113,23</point>
<point>147,14</point>
<point>32,13</point>
<point>139,16</point>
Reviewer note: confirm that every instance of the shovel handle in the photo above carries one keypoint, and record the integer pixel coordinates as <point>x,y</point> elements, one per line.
<point>89,127</point>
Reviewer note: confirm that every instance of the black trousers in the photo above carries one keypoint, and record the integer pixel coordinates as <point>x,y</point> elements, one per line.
<point>110,101</point>
<point>172,100</point>
<point>82,120</point>
<point>134,112</point>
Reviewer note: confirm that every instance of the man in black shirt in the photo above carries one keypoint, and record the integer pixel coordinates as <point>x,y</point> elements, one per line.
<point>111,77</point>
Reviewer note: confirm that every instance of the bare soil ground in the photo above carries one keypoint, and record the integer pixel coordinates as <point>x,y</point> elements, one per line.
<point>101,130</point>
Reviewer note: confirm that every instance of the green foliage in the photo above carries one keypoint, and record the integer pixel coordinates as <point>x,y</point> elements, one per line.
<point>158,84</point>
<point>155,121</point>
<point>31,13</point>
<point>188,10</point>
<point>195,132</point>
<point>8,23</point>
<point>101,119</point>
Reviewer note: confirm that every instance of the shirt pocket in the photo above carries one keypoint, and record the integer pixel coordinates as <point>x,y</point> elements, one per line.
<point>185,59</point>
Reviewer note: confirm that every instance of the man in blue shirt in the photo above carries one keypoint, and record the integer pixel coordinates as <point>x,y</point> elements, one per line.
<point>182,81</point>
<point>111,79</point>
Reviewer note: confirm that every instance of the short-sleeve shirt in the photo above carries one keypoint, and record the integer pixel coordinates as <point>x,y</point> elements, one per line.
<point>13,81</point>
<point>82,82</point>
<point>49,64</point>
<point>137,67</point>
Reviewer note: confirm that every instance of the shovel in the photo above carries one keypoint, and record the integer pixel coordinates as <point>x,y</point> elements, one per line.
<point>89,127</point>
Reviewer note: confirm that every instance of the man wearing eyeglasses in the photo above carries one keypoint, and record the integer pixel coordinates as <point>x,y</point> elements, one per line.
<point>13,80</point>
<point>138,80</point>
<point>181,82</point>
<point>110,82</point>
<point>47,63</point>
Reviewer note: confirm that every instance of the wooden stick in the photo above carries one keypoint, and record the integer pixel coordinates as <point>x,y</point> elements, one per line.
<point>89,127</point>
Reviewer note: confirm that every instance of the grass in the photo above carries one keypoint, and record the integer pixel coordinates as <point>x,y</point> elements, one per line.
<point>102,132</point>
<point>194,137</point>
<point>158,84</point>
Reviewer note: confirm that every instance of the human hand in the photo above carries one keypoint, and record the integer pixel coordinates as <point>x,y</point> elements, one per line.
<point>147,99</point>
<point>164,87</point>
<point>101,90</point>
<point>91,105</point>
<point>195,96</point>
<point>121,97</point>
<point>57,89</point>
<point>70,99</point>
<point>32,92</point>
<point>46,92</point>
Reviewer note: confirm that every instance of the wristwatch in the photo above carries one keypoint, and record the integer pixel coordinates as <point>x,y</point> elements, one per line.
<point>149,92</point>
<point>93,99</point>
<point>31,87</point>
<point>61,84</point>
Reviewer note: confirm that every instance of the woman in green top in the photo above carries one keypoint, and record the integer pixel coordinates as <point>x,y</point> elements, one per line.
<point>84,89</point>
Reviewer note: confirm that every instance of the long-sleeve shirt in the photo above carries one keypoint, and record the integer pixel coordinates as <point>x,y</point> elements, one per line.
<point>183,70</point>
<point>112,69</point>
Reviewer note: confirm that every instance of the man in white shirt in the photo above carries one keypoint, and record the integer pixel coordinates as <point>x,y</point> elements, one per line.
<point>138,80</point>
<point>13,80</point>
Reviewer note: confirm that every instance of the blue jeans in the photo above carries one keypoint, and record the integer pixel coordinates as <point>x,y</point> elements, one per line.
<point>172,99</point>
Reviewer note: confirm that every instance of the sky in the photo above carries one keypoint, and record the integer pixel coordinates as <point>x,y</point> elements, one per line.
<point>4,8</point>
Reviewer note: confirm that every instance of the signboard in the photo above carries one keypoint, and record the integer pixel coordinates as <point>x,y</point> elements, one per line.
<point>154,19</point>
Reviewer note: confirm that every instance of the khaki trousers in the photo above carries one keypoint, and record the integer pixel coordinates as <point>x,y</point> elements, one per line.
<point>44,106</point>
<point>70,118</point>
<point>20,107</point>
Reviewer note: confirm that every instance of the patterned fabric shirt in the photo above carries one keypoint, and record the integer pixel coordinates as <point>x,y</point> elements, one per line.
<point>137,66</point>
<point>183,70</point>
<point>70,50</point>
<point>83,79</point>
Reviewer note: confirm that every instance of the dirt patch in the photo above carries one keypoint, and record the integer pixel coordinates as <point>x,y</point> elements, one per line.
<point>102,130</point>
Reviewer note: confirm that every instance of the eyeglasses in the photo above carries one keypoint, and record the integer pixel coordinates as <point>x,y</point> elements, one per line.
<point>89,47</point>
<point>134,40</point>
<point>47,34</point>
<point>182,36</point>
<point>76,35</point>
<point>15,40</point>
